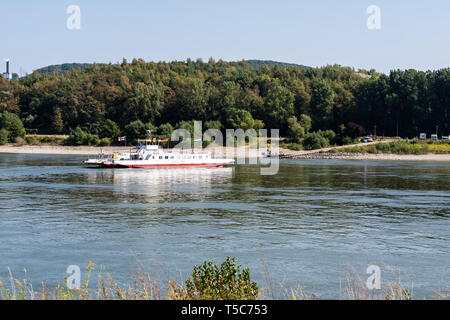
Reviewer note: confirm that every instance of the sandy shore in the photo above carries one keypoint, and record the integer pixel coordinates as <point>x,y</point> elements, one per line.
<point>241,152</point>
<point>382,156</point>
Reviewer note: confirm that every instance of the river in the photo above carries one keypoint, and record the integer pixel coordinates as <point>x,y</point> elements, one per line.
<point>307,225</point>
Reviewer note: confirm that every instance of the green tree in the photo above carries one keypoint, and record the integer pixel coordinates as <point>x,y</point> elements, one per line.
<point>278,106</point>
<point>315,140</point>
<point>165,130</point>
<point>135,130</point>
<point>295,130</point>
<point>242,119</point>
<point>4,136</point>
<point>306,122</point>
<point>12,123</point>
<point>322,101</point>
<point>58,124</point>
<point>110,130</point>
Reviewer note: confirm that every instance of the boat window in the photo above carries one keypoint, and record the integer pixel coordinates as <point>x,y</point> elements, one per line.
<point>148,157</point>
<point>172,157</point>
<point>160,157</point>
<point>167,157</point>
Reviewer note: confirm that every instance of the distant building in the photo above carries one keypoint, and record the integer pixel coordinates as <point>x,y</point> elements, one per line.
<point>7,74</point>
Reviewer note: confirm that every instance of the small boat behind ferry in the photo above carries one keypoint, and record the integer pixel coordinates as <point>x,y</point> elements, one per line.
<point>151,155</point>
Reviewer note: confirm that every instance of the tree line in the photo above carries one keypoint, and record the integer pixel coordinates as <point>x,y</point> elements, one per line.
<point>333,102</point>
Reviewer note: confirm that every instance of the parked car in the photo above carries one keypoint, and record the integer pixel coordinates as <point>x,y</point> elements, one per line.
<point>366,139</point>
<point>423,136</point>
<point>434,137</point>
<point>446,137</point>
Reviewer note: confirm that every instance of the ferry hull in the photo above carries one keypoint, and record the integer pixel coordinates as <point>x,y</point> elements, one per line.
<point>118,165</point>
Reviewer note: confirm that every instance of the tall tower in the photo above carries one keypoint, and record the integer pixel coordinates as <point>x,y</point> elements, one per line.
<point>7,74</point>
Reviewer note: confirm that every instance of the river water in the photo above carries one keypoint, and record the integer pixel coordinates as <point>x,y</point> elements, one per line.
<point>306,226</point>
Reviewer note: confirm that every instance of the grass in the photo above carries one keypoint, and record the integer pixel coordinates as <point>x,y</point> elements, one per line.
<point>38,140</point>
<point>208,281</point>
<point>400,147</point>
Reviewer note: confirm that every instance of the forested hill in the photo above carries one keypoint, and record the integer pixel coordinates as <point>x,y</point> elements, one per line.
<point>230,95</point>
<point>259,63</point>
<point>66,67</point>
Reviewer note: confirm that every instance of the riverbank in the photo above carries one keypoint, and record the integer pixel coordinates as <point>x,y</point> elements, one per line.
<point>240,152</point>
<point>379,156</point>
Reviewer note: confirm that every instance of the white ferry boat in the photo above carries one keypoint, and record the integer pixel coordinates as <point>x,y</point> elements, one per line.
<point>150,155</point>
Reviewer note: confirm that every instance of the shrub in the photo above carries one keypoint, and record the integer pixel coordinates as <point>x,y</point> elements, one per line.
<point>315,140</point>
<point>4,134</point>
<point>46,139</point>
<point>110,130</point>
<point>225,282</point>
<point>105,142</point>
<point>78,137</point>
<point>354,130</point>
<point>13,125</point>
<point>328,134</point>
<point>295,130</point>
<point>92,139</point>
<point>296,146</point>
<point>32,140</point>
<point>135,130</point>
<point>342,140</point>
<point>20,141</point>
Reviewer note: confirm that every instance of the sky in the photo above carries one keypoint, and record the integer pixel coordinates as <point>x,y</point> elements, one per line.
<point>413,34</point>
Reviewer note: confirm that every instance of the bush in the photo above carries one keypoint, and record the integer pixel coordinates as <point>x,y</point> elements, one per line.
<point>105,142</point>
<point>4,134</point>
<point>224,282</point>
<point>78,137</point>
<point>328,134</point>
<point>20,141</point>
<point>32,140</point>
<point>315,140</point>
<point>342,140</point>
<point>295,130</point>
<point>354,130</point>
<point>46,139</point>
<point>13,125</point>
<point>296,146</point>
<point>110,130</point>
<point>136,130</point>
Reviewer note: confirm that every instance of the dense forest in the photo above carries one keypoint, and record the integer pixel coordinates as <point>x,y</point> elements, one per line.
<point>117,99</point>
<point>64,68</point>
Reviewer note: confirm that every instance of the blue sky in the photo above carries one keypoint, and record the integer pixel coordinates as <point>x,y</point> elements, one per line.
<point>414,34</point>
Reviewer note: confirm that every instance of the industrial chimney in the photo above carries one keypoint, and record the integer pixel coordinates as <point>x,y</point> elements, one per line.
<point>7,74</point>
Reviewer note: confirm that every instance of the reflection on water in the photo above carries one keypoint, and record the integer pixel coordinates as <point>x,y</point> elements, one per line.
<point>306,222</point>
<point>161,178</point>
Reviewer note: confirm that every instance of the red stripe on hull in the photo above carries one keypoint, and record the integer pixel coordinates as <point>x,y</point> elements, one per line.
<point>164,165</point>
